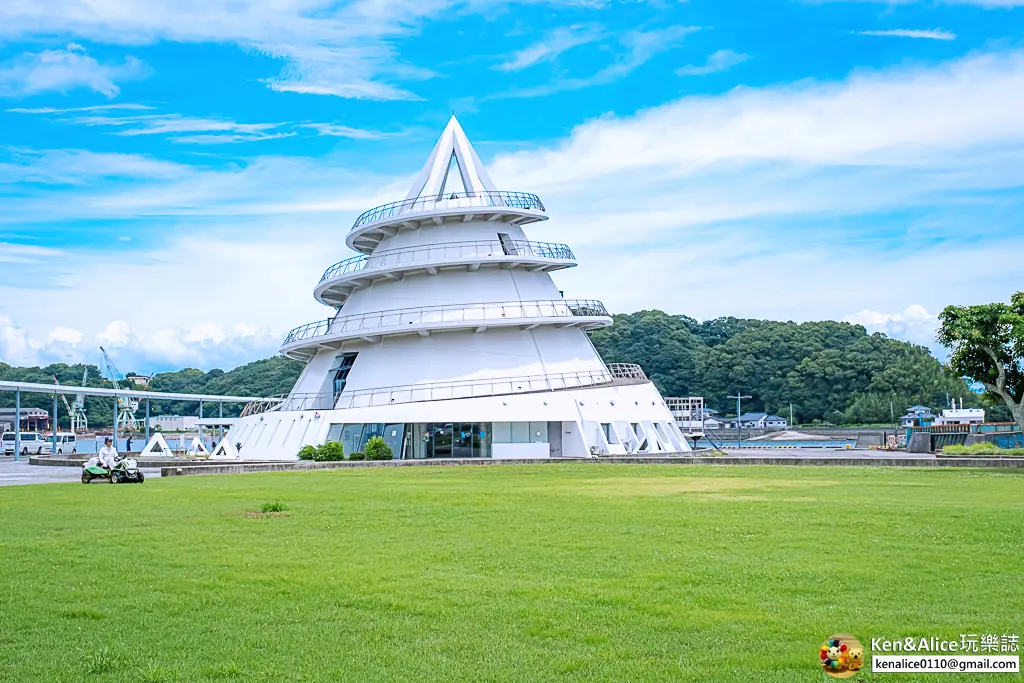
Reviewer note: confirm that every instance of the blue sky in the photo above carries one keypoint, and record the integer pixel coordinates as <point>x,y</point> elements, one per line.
<point>176,175</point>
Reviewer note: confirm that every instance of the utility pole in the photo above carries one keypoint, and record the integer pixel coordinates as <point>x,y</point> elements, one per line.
<point>791,416</point>
<point>739,428</point>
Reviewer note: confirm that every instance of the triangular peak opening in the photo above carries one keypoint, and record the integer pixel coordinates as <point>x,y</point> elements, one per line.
<point>453,183</point>
<point>453,167</point>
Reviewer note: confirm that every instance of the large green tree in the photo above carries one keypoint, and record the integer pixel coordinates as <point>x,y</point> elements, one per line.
<point>987,345</point>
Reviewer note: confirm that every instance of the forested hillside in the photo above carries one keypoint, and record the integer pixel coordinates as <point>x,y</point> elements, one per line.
<point>828,371</point>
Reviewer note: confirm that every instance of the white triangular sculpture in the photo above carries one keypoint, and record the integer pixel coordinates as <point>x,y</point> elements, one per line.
<point>157,446</point>
<point>197,447</point>
<point>224,451</point>
<point>433,181</point>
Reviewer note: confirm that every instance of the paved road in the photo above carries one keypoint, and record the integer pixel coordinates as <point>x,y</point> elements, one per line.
<point>14,473</point>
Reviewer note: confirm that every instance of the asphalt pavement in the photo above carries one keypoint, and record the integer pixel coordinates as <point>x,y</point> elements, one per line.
<point>14,473</point>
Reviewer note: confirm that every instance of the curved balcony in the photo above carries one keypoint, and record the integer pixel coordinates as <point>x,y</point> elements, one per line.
<point>303,342</point>
<point>384,221</point>
<point>615,373</point>
<point>345,277</point>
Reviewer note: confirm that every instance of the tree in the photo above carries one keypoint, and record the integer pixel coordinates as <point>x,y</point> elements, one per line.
<point>987,344</point>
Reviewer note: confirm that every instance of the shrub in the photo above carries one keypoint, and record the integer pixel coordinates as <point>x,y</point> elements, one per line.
<point>276,506</point>
<point>307,453</point>
<point>378,449</point>
<point>330,451</point>
<point>357,456</point>
<point>981,449</point>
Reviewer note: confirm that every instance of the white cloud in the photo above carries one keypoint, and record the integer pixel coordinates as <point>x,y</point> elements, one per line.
<point>128,106</point>
<point>335,130</point>
<point>78,167</point>
<point>716,61</point>
<point>638,47</point>
<point>914,323</point>
<point>930,34</point>
<point>65,335</point>
<point>64,70</point>
<point>899,116</point>
<point>549,48</point>
<point>326,47</point>
<point>795,202</point>
<point>194,129</point>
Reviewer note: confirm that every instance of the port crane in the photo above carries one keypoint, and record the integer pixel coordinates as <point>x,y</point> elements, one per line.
<point>126,406</point>
<point>76,410</point>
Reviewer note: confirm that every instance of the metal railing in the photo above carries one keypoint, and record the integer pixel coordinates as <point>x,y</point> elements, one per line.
<point>451,200</point>
<point>447,251</point>
<point>627,372</point>
<point>616,373</point>
<point>482,313</point>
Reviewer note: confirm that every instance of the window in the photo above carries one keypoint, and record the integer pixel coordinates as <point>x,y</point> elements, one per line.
<point>520,432</point>
<point>607,429</point>
<point>342,366</point>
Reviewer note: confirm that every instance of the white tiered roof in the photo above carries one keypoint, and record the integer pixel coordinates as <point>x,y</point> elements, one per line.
<point>453,166</point>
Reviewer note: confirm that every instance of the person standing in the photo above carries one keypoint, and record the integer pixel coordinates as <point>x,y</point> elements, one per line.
<point>128,446</point>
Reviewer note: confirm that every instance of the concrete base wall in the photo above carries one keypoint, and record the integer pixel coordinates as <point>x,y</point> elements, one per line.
<point>235,468</point>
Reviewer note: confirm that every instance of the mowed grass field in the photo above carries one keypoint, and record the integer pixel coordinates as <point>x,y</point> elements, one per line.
<point>511,573</point>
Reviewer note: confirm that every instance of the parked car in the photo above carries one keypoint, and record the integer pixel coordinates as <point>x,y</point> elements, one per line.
<point>66,443</point>
<point>31,442</point>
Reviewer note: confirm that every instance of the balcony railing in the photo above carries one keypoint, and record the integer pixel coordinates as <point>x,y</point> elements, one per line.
<point>452,200</point>
<point>448,251</point>
<point>627,372</point>
<point>617,373</point>
<point>478,313</point>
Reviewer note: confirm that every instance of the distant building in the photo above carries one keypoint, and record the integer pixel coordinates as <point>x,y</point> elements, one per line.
<point>917,416</point>
<point>139,380</point>
<point>173,423</point>
<point>762,421</point>
<point>712,422</point>
<point>32,419</point>
<point>961,416</point>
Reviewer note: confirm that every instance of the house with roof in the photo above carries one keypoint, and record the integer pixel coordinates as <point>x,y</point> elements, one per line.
<point>917,416</point>
<point>762,421</point>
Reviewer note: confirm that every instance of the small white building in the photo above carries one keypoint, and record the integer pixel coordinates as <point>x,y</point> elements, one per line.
<point>762,421</point>
<point>173,423</point>
<point>961,416</point>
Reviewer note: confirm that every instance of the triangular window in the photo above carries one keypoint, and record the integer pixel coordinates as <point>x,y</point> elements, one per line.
<point>452,185</point>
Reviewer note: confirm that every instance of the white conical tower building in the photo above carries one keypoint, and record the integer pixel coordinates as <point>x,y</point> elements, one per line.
<point>449,339</point>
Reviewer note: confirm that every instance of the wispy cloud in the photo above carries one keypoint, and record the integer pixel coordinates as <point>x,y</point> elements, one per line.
<point>639,47</point>
<point>929,34</point>
<point>338,131</point>
<point>64,70</point>
<point>170,124</point>
<point>70,110</point>
<point>345,49</point>
<point>555,43</point>
<point>80,167</point>
<point>194,129</point>
<point>716,61</point>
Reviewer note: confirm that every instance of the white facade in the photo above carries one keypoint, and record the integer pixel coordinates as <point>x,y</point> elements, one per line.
<point>173,423</point>
<point>961,416</point>
<point>448,337</point>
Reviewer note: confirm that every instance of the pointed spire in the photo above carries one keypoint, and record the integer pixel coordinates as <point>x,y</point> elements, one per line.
<point>453,167</point>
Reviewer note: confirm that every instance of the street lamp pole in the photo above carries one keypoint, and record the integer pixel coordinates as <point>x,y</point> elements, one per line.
<point>739,428</point>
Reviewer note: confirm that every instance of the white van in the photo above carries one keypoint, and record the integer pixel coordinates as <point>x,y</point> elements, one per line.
<point>31,442</point>
<point>66,443</point>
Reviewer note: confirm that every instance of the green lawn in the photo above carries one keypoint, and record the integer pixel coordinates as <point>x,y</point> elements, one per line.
<point>512,573</point>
